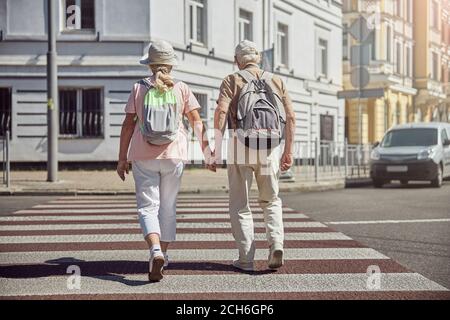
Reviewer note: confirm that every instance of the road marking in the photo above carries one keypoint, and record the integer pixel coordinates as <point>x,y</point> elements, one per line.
<point>180,217</point>
<point>99,226</point>
<point>220,283</point>
<point>203,237</point>
<point>132,210</point>
<point>386,221</point>
<point>191,255</point>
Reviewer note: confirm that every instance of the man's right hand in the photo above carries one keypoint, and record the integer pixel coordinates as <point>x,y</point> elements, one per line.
<point>286,162</point>
<point>210,161</point>
<point>123,167</point>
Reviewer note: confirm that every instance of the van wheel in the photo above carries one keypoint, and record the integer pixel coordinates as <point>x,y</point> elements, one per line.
<point>377,183</point>
<point>437,182</point>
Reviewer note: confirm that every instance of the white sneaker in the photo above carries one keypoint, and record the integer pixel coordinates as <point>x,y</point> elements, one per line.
<point>156,265</point>
<point>276,256</point>
<point>245,266</point>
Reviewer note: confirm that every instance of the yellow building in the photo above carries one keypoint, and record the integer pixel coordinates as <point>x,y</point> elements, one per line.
<point>430,57</point>
<point>390,67</point>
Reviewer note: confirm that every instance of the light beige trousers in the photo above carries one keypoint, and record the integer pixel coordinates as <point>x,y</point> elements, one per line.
<point>240,177</point>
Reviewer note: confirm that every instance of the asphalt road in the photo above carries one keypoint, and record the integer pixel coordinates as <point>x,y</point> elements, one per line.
<point>422,246</point>
<point>408,224</point>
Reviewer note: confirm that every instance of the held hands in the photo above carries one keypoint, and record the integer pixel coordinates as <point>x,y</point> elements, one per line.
<point>286,161</point>
<point>210,161</point>
<point>123,167</point>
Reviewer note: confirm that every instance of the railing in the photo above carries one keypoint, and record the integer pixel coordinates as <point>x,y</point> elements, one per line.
<point>314,160</point>
<point>6,159</point>
<point>324,160</point>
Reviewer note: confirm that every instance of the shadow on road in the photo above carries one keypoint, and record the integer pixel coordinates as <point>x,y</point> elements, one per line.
<point>112,270</point>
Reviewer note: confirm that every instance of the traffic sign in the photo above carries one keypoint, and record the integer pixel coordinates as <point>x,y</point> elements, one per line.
<point>363,94</point>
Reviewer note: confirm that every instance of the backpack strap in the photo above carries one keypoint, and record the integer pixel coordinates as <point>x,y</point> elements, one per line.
<point>145,83</point>
<point>267,76</point>
<point>247,75</point>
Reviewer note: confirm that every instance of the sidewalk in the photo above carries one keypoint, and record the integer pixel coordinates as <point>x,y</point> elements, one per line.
<point>107,182</point>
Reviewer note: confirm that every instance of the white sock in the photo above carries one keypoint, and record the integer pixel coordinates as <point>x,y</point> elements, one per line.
<point>156,250</point>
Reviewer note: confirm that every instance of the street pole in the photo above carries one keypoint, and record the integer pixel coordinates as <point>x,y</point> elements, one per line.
<point>359,100</point>
<point>52,96</point>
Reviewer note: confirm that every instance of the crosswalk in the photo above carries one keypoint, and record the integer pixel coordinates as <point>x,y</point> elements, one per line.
<point>100,235</point>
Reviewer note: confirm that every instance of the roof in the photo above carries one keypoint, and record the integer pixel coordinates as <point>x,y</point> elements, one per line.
<point>435,125</point>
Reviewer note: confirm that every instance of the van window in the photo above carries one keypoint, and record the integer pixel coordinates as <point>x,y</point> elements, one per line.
<point>411,138</point>
<point>444,136</point>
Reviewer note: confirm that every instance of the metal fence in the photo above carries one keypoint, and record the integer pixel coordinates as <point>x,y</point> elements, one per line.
<point>314,160</point>
<point>325,160</point>
<point>6,167</point>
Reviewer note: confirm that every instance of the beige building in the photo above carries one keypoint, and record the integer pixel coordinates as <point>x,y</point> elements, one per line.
<point>431,58</point>
<point>390,67</point>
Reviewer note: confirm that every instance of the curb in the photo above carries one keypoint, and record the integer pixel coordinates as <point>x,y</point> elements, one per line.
<point>284,187</point>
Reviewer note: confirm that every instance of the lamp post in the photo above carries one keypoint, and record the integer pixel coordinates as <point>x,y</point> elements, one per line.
<point>52,96</point>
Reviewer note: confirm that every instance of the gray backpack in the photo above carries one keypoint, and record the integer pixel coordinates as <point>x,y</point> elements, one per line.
<point>160,119</point>
<point>260,113</point>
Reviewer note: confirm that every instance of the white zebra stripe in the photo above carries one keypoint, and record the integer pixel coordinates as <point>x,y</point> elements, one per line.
<point>197,237</point>
<point>180,224</point>
<point>191,255</point>
<point>221,283</point>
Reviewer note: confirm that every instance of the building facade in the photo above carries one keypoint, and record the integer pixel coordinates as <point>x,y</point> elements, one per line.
<point>390,67</point>
<point>445,108</point>
<point>431,57</point>
<point>100,47</point>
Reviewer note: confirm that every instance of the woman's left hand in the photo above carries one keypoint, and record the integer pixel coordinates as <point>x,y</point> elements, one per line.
<point>123,167</point>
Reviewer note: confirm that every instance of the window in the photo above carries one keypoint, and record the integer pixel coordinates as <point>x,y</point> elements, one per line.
<point>409,11</point>
<point>81,112</point>
<point>345,42</point>
<point>410,138</point>
<point>388,44</point>
<point>398,7</point>
<point>197,21</point>
<point>79,14</point>
<point>398,66</point>
<point>5,111</point>
<point>408,63</point>
<point>326,128</point>
<point>444,136</point>
<point>282,45</point>
<point>434,15</point>
<point>203,102</point>
<point>323,57</point>
<point>245,25</point>
<point>373,49</point>
<point>435,67</point>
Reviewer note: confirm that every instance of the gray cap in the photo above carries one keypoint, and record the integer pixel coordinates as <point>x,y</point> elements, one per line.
<point>160,52</point>
<point>246,47</point>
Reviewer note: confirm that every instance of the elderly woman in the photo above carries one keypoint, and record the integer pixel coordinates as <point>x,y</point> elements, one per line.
<point>153,125</point>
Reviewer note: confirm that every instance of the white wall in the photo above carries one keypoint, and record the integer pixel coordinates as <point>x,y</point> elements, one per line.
<point>111,62</point>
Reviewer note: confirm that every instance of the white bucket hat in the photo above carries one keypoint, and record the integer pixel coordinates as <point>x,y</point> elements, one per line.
<point>160,52</point>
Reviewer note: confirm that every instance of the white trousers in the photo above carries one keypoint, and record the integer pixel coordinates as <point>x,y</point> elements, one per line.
<point>266,168</point>
<point>157,185</point>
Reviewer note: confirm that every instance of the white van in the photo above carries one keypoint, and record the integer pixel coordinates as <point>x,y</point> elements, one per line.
<point>412,152</point>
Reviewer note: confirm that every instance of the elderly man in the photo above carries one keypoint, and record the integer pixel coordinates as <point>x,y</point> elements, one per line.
<point>265,165</point>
